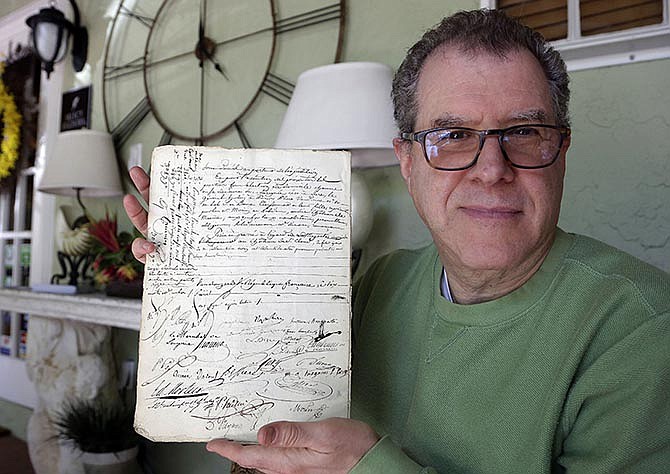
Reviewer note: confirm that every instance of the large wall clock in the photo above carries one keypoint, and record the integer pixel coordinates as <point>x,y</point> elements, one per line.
<point>211,72</point>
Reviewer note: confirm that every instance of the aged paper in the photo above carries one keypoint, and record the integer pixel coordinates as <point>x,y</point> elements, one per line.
<point>246,306</point>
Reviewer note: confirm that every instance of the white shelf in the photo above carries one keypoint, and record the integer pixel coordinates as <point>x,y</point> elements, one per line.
<point>91,308</point>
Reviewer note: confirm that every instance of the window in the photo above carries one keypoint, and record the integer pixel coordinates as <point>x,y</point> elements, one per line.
<point>15,240</point>
<point>16,191</point>
<point>595,33</point>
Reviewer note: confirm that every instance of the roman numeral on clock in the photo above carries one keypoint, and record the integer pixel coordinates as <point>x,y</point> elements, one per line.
<point>312,17</point>
<point>278,88</point>
<point>166,139</point>
<point>131,67</point>
<point>129,123</point>
<point>143,19</point>
<point>243,137</point>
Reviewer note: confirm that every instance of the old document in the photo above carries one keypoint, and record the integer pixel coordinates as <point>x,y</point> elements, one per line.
<point>246,306</point>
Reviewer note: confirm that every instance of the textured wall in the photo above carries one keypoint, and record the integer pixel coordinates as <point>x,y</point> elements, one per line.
<point>618,176</point>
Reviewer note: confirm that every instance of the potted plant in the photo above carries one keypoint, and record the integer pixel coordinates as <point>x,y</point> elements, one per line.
<point>103,431</point>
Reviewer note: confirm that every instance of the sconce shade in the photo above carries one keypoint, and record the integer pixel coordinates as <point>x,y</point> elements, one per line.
<point>343,106</point>
<point>51,37</point>
<point>84,160</point>
<point>51,33</point>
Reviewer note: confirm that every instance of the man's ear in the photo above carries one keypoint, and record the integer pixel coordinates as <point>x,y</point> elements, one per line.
<point>566,143</point>
<point>564,151</point>
<point>403,151</point>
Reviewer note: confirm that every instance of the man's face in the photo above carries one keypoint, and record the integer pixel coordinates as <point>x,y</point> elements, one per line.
<point>491,216</point>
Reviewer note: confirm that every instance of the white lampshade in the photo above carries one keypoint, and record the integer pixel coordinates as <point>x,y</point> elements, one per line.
<point>85,160</point>
<point>343,106</point>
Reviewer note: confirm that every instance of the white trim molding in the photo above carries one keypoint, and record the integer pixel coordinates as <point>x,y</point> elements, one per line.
<point>645,43</point>
<point>611,49</point>
<point>88,308</point>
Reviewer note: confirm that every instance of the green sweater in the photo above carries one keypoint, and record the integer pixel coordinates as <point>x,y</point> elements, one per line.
<point>570,372</point>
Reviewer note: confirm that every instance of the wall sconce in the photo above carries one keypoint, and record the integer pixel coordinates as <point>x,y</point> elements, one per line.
<point>345,106</point>
<point>51,33</point>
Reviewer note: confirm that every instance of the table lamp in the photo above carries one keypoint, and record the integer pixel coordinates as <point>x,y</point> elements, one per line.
<point>345,106</point>
<point>83,165</point>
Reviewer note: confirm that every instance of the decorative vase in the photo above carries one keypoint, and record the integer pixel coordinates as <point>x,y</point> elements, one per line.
<point>121,462</point>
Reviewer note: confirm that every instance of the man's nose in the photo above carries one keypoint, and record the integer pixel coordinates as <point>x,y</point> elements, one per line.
<point>491,165</point>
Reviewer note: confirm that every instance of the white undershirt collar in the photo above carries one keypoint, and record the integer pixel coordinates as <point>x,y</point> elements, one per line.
<point>444,286</point>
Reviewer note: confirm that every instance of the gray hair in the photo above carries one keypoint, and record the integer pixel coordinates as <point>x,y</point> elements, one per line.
<point>476,32</point>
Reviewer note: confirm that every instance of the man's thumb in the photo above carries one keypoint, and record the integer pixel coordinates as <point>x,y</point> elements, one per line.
<point>283,434</point>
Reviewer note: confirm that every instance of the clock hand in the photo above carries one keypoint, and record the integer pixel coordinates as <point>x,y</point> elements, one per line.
<point>201,32</point>
<point>217,66</point>
<point>186,53</point>
<point>287,24</point>
<point>200,47</point>
<point>205,47</point>
<point>202,105</point>
<point>201,23</point>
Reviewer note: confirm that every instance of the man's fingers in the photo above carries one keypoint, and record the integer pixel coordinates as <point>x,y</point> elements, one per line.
<point>141,181</point>
<point>141,248</point>
<point>269,460</point>
<point>333,445</point>
<point>225,448</point>
<point>137,214</point>
<point>245,456</point>
<point>321,437</point>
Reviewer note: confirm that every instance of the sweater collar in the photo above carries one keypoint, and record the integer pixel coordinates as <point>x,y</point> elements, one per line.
<point>508,306</point>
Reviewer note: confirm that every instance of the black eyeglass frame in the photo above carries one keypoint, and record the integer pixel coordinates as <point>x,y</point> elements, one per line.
<point>420,137</point>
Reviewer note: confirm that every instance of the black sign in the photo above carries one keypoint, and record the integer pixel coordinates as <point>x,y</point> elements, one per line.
<point>76,109</point>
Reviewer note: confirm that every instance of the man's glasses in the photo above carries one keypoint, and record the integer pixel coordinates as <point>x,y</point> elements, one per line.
<point>529,146</point>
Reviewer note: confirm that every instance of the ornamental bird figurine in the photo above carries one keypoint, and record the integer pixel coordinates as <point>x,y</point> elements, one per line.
<point>72,242</point>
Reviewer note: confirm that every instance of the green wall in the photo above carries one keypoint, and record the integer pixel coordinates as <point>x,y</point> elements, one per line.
<point>14,417</point>
<point>618,174</point>
<point>618,169</point>
<point>8,6</point>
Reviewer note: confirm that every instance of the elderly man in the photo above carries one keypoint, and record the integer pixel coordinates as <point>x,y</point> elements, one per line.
<point>507,345</point>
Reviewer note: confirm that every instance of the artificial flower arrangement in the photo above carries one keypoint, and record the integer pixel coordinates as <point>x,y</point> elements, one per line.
<point>114,261</point>
<point>11,129</point>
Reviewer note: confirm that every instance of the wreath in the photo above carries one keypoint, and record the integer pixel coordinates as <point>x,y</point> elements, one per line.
<point>11,129</point>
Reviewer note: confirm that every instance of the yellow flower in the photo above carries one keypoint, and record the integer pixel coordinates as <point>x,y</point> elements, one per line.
<point>11,121</point>
<point>126,272</point>
<point>104,276</point>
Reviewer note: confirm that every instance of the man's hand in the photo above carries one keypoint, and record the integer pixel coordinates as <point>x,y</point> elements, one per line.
<point>334,445</point>
<point>137,214</point>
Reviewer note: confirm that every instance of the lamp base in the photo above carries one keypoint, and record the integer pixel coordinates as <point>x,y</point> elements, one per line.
<point>74,268</point>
